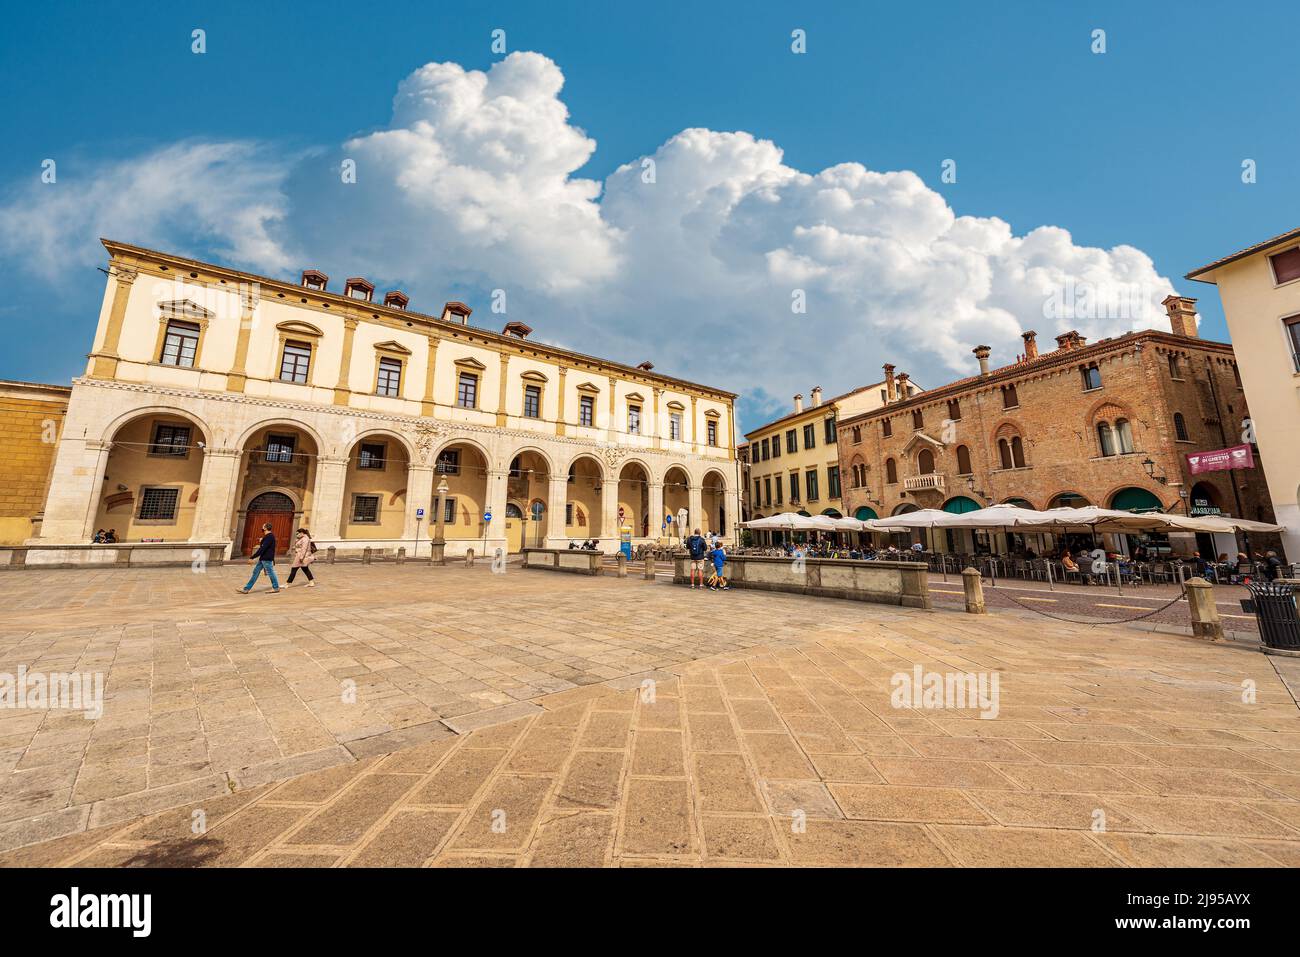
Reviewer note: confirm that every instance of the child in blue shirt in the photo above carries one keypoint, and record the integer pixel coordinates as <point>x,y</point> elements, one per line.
<point>719,556</point>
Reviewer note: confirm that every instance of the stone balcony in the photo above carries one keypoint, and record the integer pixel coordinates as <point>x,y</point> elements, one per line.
<point>920,483</point>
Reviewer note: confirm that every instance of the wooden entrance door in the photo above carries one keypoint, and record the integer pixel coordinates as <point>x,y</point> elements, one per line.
<point>273,507</point>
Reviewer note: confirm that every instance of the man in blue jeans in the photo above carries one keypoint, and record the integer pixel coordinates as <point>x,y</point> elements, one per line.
<point>263,558</point>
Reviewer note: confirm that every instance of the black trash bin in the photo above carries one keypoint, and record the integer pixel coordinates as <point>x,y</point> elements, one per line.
<point>1275,613</point>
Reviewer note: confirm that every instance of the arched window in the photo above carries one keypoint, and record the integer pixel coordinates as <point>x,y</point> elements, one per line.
<point>1105,438</point>
<point>1123,435</point>
<point>857,435</point>
<point>918,419</point>
<point>925,462</point>
<point>1004,453</point>
<point>963,460</point>
<point>1017,452</point>
<point>891,471</point>
<point>1180,427</point>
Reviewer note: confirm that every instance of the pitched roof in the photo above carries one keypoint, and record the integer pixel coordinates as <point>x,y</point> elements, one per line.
<point>1243,253</point>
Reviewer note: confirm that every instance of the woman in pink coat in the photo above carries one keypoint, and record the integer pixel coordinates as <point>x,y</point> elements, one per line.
<point>302,554</point>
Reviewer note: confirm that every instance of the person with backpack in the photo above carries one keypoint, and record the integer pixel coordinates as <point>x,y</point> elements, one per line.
<point>697,548</point>
<point>719,557</point>
<point>263,559</point>
<point>302,555</point>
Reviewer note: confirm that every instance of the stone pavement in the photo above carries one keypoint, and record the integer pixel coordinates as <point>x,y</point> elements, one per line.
<point>538,718</point>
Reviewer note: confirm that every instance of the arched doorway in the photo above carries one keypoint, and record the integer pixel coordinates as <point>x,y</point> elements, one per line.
<point>463,467</point>
<point>960,504</point>
<point>1134,499</point>
<point>582,518</point>
<point>1068,500</point>
<point>151,479</point>
<point>275,508</point>
<point>713,499</point>
<point>865,513</point>
<point>278,458</point>
<point>374,490</point>
<point>677,499</point>
<point>528,484</point>
<point>634,498</point>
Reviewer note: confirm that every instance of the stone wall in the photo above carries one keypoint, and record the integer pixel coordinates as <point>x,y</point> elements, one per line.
<point>882,582</point>
<point>31,418</point>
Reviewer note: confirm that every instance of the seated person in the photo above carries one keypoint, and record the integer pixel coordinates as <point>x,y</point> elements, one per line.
<point>1068,562</point>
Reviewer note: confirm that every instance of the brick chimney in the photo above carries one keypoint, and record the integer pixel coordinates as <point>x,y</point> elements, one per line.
<point>816,396</point>
<point>798,403</point>
<point>1031,344</point>
<point>1182,315</point>
<point>891,395</point>
<point>1069,341</point>
<point>982,353</point>
<point>904,385</point>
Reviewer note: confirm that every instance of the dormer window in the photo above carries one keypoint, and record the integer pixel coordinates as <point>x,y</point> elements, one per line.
<point>358,288</point>
<point>314,279</point>
<point>396,299</point>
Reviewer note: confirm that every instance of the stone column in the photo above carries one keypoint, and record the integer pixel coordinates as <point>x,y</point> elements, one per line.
<point>342,388</point>
<point>419,494</point>
<point>76,488</point>
<point>556,499</point>
<point>974,588</point>
<point>217,483</point>
<point>695,505</point>
<point>656,509</point>
<point>496,499</point>
<point>327,498</point>
<point>609,527</point>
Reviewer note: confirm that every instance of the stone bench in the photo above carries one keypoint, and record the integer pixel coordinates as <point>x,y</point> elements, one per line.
<point>122,555</point>
<point>882,582</point>
<point>577,561</point>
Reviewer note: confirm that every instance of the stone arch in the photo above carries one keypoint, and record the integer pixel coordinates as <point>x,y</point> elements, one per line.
<point>1115,492</point>
<point>633,495</point>
<point>291,494</point>
<point>374,496</point>
<point>605,472</point>
<point>466,500</point>
<point>150,485</point>
<point>1056,500</point>
<point>126,418</point>
<point>713,501</point>
<point>584,500</point>
<point>532,450</point>
<point>677,482</point>
<point>280,421</point>
<point>412,455</point>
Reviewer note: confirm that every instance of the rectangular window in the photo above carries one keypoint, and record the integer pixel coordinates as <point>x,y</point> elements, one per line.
<point>833,481</point>
<point>758,492</point>
<point>954,410</point>
<point>830,431</point>
<point>918,419</point>
<point>792,441</point>
<point>279,448</point>
<point>886,428</point>
<point>365,509</point>
<point>762,451</point>
<point>294,364</point>
<point>767,491</point>
<point>810,480</point>
<point>1175,368</point>
<point>449,511</point>
<point>371,456</point>
<point>776,446</point>
<point>390,377</point>
<point>586,410</point>
<point>1009,398</point>
<point>634,420</point>
<point>1091,378</point>
<point>1292,325</point>
<point>780,487</point>
<point>794,487</point>
<point>448,462</point>
<point>711,433</point>
<point>1286,266</point>
<point>158,504</point>
<point>809,436</point>
<point>170,440</point>
<point>532,402</point>
<point>467,391</point>
<point>181,344</point>
<point>675,426</point>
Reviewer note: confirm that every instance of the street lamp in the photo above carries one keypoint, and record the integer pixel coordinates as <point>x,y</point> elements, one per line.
<point>970,484</point>
<point>1150,467</point>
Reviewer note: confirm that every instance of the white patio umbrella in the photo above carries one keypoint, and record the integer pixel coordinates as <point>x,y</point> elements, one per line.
<point>785,521</point>
<point>848,524</point>
<point>995,516</point>
<point>1225,524</point>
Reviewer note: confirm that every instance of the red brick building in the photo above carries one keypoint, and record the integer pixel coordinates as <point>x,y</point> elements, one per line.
<point>1108,423</point>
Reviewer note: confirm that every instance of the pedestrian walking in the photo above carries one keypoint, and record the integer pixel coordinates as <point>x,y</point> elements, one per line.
<point>697,548</point>
<point>301,556</point>
<point>263,559</point>
<point>719,557</point>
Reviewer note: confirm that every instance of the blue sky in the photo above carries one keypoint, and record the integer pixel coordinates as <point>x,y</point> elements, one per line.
<point>1141,145</point>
